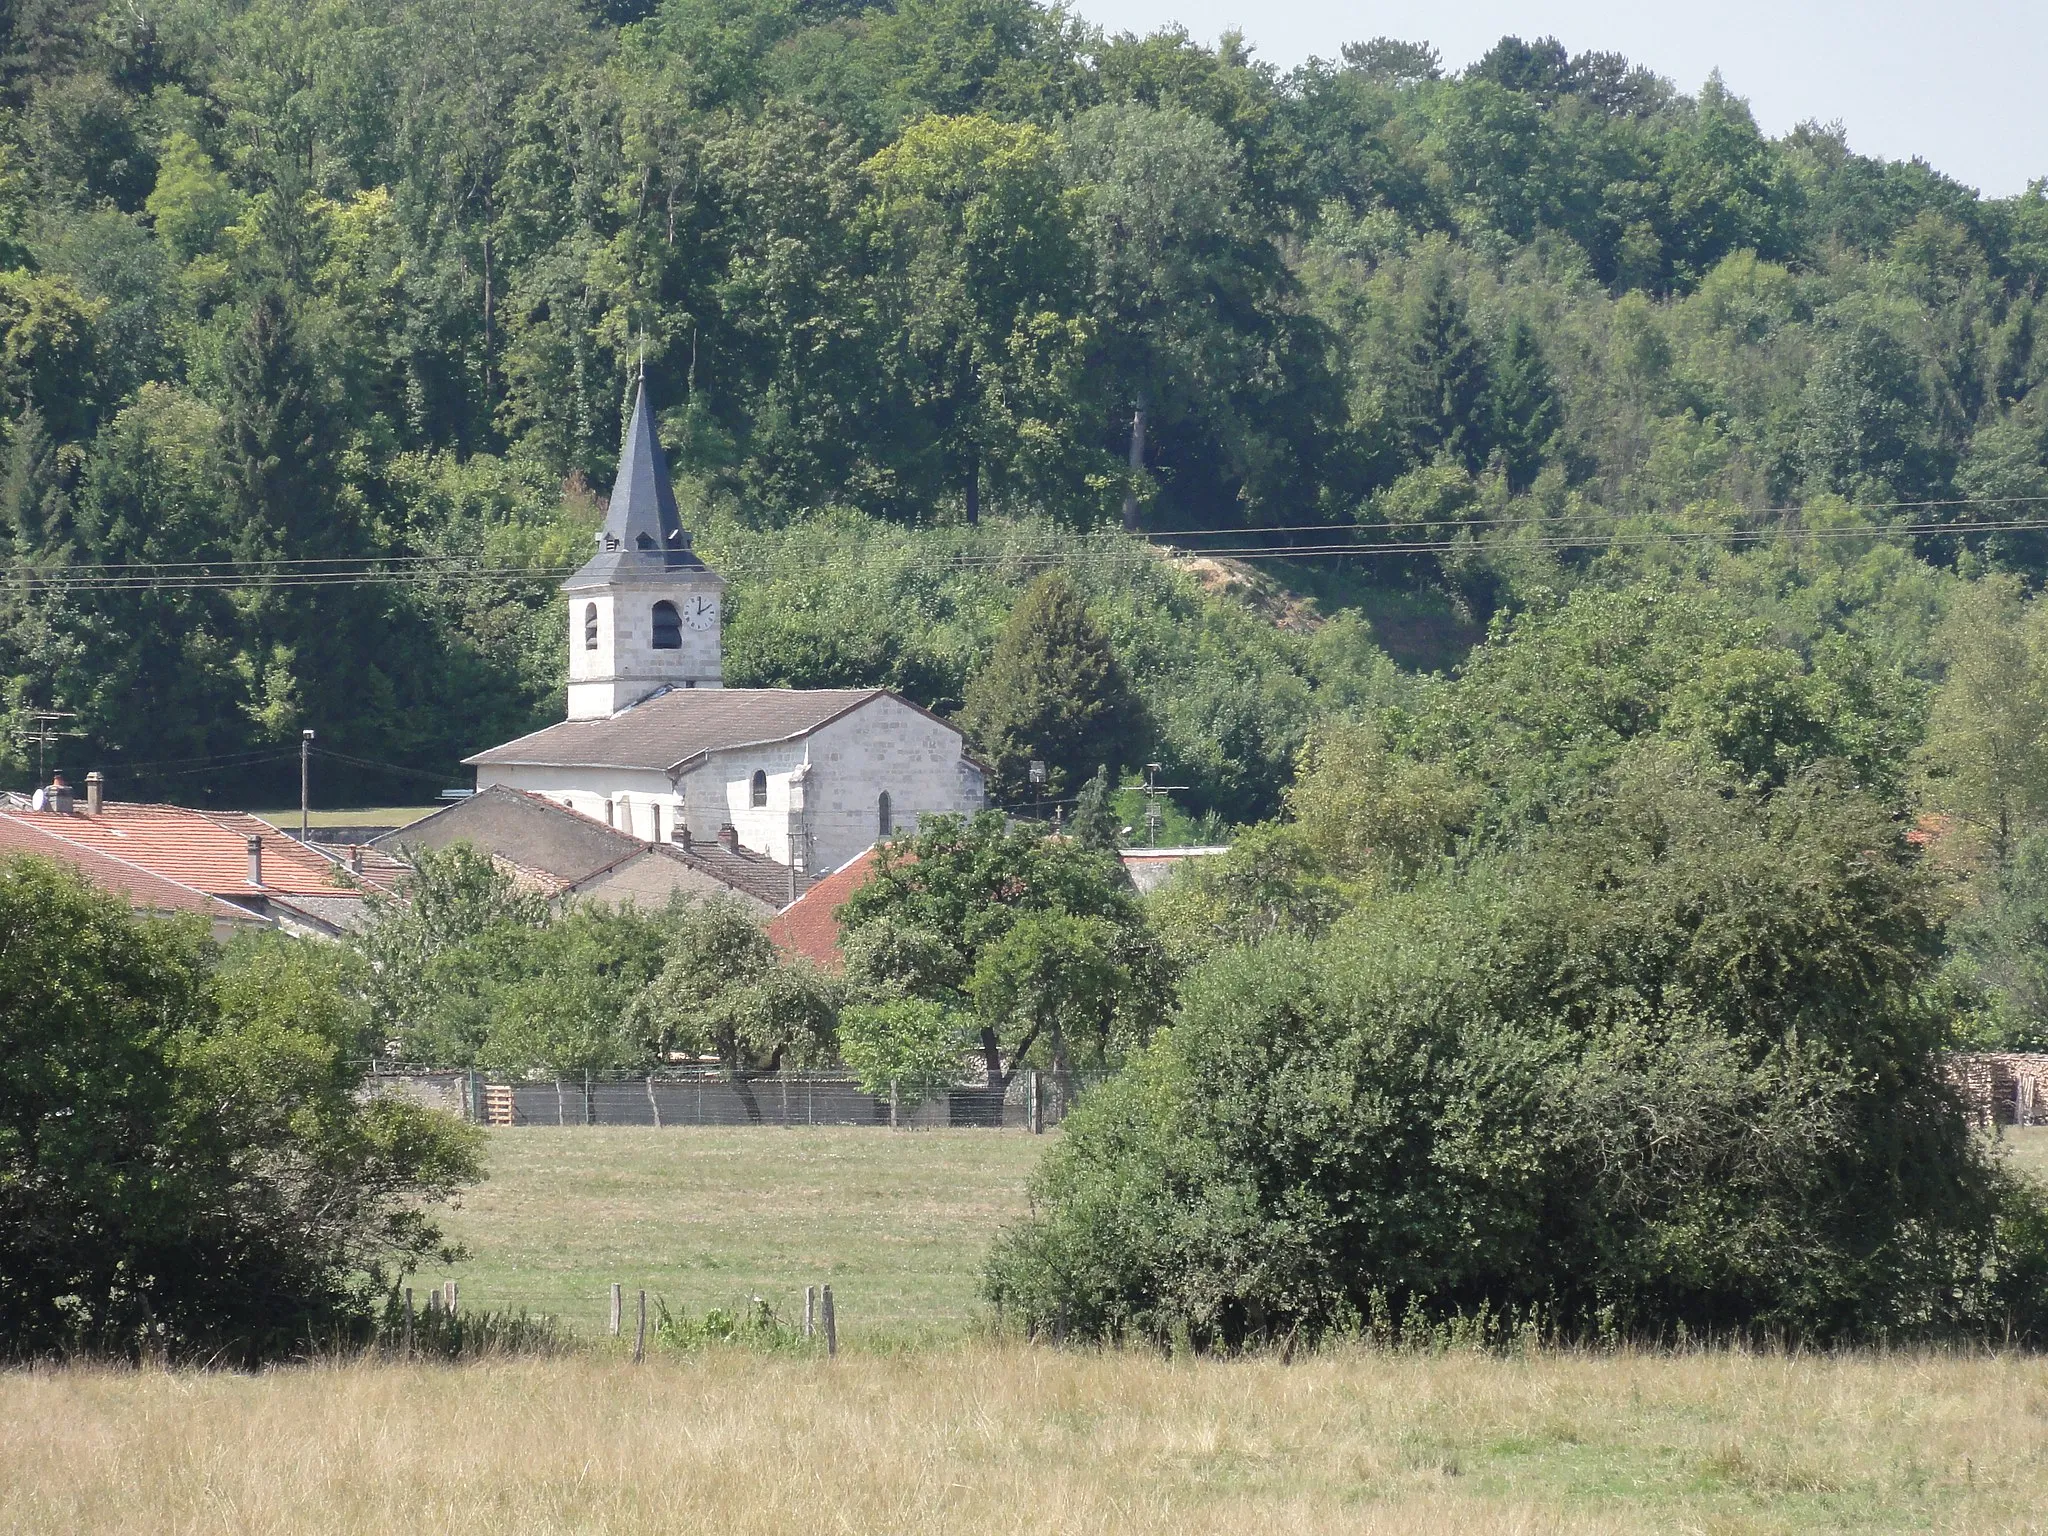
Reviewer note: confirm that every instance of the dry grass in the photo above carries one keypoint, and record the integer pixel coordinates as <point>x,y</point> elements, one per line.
<point>703,1216</point>
<point>981,1437</point>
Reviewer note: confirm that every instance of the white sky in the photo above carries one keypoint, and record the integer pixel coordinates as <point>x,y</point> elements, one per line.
<point>1963,84</point>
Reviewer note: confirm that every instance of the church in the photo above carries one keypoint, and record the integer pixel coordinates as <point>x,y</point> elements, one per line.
<point>658,748</point>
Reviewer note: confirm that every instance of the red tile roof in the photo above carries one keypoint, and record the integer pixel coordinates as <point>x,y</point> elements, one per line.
<point>809,926</point>
<point>205,850</point>
<point>146,891</point>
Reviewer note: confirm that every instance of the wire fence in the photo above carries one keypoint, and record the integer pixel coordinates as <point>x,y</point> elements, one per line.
<point>1031,1100</point>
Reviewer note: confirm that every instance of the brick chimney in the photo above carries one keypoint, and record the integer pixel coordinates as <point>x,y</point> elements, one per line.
<point>58,796</point>
<point>730,836</point>
<point>683,833</point>
<point>95,792</point>
<point>355,858</point>
<point>256,861</point>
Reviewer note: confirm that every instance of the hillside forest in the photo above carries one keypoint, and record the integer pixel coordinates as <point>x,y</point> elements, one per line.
<point>1582,554</point>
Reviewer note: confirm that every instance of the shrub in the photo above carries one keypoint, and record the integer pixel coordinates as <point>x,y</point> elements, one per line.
<point>184,1165</point>
<point>1675,1066</point>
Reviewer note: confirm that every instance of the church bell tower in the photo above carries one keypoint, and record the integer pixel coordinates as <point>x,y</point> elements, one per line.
<point>645,613</point>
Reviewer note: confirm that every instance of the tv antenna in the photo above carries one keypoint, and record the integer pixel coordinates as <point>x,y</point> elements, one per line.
<point>41,731</point>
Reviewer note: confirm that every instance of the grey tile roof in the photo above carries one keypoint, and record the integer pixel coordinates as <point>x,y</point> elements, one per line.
<point>526,830</point>
<point>643,532</point>
<point>673,728</point>
<point>568,848</point>
<point>741,868</point>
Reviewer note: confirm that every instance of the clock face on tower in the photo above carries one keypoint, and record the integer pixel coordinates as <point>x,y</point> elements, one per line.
<point>700,612</point>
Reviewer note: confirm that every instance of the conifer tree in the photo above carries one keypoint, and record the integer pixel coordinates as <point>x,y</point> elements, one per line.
<point>1053,690</point>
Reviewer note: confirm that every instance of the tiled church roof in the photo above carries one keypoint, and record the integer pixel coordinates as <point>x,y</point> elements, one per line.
<point>677,727</point>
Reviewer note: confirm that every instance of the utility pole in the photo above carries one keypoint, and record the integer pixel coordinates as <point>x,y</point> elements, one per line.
<point>305,787</point>
<point>1036,773</point>
<point>1155,802</point>
<point>42,735</point>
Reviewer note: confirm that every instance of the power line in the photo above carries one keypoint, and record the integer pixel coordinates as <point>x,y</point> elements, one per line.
<point>364,762</point>
<point>1610,530</point>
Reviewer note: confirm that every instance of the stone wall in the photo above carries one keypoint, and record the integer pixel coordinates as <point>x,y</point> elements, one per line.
<point>2002,1087</point>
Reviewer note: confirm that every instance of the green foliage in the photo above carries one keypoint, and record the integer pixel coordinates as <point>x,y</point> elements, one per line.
<point>1052,690</point>
<point>1270,883</point>
<point>752,1324</point>
<point>184,1163</point>
<point>905,1049</point>
<point>1040,937</point>
<point>1678,1068</point>
<point>723,990</point>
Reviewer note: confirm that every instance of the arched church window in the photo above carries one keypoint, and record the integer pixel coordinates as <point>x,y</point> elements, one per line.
<point>668,627</point>
<point>884,822</point>
<point>590,626</point>
<point>758,795</point>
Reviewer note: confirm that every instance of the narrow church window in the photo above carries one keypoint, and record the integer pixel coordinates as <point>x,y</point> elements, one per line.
<point>884,823</point>
<point>590,626</point>
<point>668,627</point>
<point>759,795</point>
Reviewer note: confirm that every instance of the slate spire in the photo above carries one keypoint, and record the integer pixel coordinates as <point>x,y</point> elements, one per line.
<point>643,532</point>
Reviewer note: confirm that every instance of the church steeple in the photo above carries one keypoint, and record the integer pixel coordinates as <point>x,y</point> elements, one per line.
<point>642,528</point>
<point>644,611</point>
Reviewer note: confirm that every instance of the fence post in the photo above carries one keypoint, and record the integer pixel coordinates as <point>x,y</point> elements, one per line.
<point>640,1335</point>
<point>408,1322</point>
<point>561,1111</point>
<point>589,1104</point>
<point>810,1311</point>
<point>618,1306</point>
<point>1034,1111</point>
<point>650,1101</point>
<point>892,1103</point>
<point>449,1299</point>
<point>831,1325</point>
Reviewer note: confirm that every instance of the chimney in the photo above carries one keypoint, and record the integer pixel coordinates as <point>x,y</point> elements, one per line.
<point>355,858</point>
<point>730,836</point>
<point>683,833</point>
<point>256,861</point>
<point>59,798</point>
<point>95,792</point>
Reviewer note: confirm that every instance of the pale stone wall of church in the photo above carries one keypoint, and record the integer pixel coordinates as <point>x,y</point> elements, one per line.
<point>883,747</point>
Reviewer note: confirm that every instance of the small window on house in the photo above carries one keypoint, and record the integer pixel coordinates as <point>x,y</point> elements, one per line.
<point>590,626</point>
<point>757,797</point>
<point>884,822</point>
<point>645,541</point>
<point>668,627</point>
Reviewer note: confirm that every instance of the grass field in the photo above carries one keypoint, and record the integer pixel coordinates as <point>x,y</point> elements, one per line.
<point>896,1222</point>
<point>969,1432</point>
<point>980,1437</point>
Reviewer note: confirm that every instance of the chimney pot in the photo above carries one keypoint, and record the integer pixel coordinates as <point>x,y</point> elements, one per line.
<point>683,833</point>
<point>256,860</point>
<point>59,795</point>
<point>730,836</point>
<point>95,792</point>
<point>355,858</point>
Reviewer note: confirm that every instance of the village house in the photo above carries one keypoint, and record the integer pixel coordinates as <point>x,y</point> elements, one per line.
<point>235,870</point>
<point>546,846</point>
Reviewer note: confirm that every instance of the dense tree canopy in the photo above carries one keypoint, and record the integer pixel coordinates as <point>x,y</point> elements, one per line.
<point>363,283</point>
